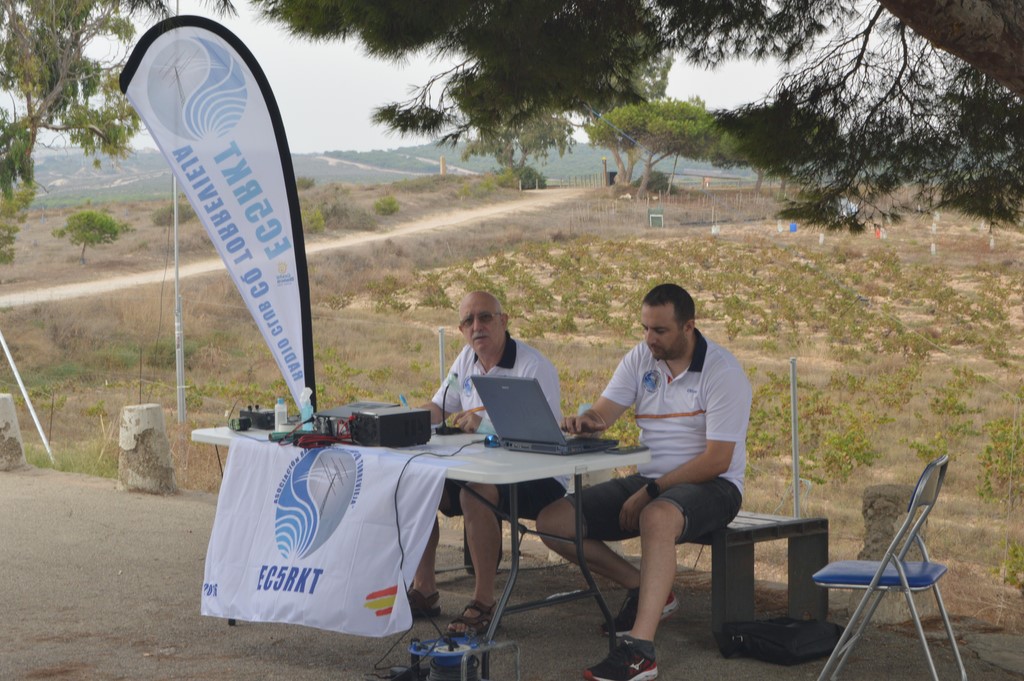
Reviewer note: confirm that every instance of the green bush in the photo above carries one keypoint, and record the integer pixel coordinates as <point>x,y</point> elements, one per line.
<point>531,178</point>
<point>1002,462</point>
<point>657,182</point>
<point>385,205</point>
<point>507,178</point>
<point>432,291</point>
<point>387,294</point>
<point>521,178</point>
<point>164,215</point>
<point>1013,565</point>
<point>304,183</point>
<point>479,189</point>
<point>313,221</point>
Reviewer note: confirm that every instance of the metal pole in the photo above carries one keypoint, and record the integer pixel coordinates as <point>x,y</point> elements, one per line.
<point>179,332</point>
<point>28,401</point>
<point>796,442</point>
<point>441,366</point>
<point>179,336</point>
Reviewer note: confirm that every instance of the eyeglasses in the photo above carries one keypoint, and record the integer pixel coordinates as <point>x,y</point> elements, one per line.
<point>484,318</point>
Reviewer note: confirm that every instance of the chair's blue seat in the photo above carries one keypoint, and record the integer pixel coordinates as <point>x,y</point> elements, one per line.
<point>857,574</point>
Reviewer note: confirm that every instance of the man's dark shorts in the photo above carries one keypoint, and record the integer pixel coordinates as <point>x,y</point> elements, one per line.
<point>531,497</point>
<point>707,506</point>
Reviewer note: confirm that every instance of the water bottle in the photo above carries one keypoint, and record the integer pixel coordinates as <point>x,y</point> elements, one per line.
<point>280,415</point>
<point>306,410</point>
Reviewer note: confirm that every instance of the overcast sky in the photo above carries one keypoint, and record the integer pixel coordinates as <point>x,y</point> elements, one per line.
<point>327,92</point>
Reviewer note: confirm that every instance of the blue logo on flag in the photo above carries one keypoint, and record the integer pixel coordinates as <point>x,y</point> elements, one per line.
<point>197,89</point>
<point>319,487</point>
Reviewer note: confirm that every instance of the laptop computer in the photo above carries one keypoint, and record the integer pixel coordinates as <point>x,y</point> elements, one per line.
<point>523,421</point>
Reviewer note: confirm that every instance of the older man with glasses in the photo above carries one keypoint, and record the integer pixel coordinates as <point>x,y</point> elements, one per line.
<point>489,351</point>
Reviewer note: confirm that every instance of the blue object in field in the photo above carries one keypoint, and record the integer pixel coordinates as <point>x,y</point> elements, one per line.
<point>492,441</point>
<point>792,226</point>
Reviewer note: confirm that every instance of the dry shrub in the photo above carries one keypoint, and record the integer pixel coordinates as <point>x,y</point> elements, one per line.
<point>341,216</point>
<point>67,326</point>
<point>193,239</point>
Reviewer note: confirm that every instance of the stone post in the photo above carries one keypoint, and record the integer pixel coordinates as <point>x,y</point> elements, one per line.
<point>885,509</point>
<point>12,451</point>
<point>144,463</point>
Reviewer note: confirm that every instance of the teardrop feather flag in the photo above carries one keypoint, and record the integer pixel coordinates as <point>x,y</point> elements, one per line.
<point>209,108</point>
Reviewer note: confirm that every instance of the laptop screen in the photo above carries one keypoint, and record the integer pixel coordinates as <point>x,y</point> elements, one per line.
<point>518,409</point>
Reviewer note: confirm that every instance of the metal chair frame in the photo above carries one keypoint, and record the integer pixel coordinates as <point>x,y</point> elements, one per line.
<point>891,574</point>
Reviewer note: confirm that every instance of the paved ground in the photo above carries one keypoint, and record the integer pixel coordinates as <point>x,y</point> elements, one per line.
<point>101,584</point>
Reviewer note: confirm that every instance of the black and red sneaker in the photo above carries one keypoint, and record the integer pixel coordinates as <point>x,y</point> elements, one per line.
<point>625,663</point>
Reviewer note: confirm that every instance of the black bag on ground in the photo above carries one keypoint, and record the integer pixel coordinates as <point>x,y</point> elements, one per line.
<point>781,640</point>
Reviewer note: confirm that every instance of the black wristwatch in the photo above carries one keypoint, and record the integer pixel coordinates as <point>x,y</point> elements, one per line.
<point>653,490</point>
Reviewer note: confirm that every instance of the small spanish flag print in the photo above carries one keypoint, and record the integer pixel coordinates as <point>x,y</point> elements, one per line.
<point>382,602</point>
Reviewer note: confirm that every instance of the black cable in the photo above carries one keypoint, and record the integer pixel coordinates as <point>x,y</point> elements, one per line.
<point>401,546</point>
<point>398,483</point>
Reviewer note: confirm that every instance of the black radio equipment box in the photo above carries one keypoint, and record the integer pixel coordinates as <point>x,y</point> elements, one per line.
<point>335,422</point>
<point>375,424</point>
<point>391,427</point>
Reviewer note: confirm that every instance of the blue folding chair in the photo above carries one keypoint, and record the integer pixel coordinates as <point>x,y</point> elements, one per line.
<point>893,573</point>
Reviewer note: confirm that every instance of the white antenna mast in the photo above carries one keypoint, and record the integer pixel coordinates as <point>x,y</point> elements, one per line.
<point>179,335</point>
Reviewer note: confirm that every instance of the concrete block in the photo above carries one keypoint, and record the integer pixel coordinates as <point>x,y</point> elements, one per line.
<point>12,450</point>
<point>144,463</point>
<point>884,509</point>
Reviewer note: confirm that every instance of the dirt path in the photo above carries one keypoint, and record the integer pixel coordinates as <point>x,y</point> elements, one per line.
<point>444,221</point>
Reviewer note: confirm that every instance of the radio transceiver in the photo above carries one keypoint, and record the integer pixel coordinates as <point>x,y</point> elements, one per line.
<point>375,424</point>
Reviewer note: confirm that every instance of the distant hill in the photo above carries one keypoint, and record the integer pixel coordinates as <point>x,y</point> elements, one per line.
<point>69,178</point>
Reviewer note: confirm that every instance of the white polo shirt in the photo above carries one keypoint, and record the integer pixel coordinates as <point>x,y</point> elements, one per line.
<point>677,415</point>
<point>518,359</point>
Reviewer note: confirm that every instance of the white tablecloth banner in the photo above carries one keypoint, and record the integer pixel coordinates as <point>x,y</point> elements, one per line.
<point>311,537</point>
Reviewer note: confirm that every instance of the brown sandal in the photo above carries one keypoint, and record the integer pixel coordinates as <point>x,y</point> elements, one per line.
<point>423,606</point>
<point>478,623</point>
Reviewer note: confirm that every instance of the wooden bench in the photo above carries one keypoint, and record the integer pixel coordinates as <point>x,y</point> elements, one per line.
<point>732,565</point>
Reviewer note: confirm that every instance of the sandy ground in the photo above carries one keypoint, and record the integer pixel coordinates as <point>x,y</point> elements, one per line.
<point>105,585</point>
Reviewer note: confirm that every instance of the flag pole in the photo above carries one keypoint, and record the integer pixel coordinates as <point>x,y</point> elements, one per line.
<point>28,400</point>
<point>179,335</point>
<point>179,332</point>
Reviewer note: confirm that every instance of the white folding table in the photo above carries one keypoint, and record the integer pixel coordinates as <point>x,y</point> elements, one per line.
<point>497,466</point>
